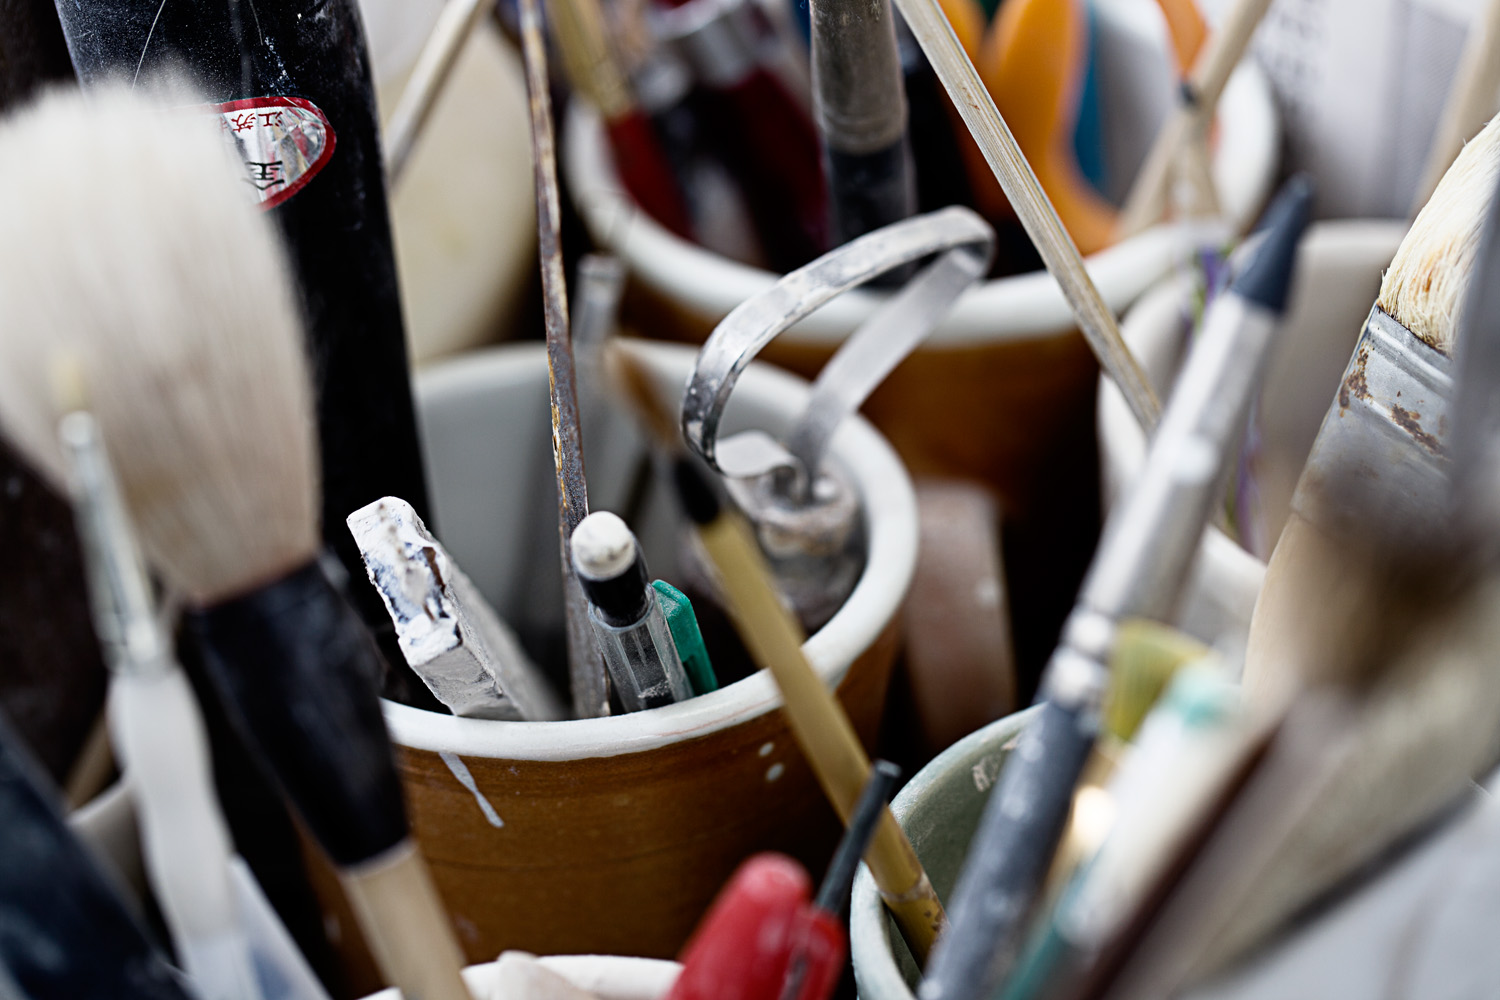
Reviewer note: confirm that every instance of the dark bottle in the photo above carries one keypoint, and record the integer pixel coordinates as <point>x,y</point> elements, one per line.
<point>290,85</point>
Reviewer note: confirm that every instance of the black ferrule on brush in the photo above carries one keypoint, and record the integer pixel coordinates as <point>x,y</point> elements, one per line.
<point>66,931</point>
<point>620,601</point>
<point>299,675</point>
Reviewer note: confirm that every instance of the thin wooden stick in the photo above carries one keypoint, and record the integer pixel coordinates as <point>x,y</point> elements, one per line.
<point>454,25</point>
<point>822,728</point>
<point>589,686</point>
<point>1471,101</point>
<point>1037,214</point>
<point>1192,116</point>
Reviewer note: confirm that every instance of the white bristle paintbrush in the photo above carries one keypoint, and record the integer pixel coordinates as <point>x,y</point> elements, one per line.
<point>141,262</point>
<point>1383,444</point>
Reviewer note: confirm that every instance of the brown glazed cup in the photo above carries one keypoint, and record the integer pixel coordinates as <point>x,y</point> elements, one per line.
<point>612,835</point>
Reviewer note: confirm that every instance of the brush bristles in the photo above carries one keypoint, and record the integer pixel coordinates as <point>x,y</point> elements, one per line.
<point>133,257</point>
<point>1428,280</point>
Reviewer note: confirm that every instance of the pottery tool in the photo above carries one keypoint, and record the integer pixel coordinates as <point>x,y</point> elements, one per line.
<point>822,729</point>
<point>682,621</point>
<point>1383,445</point>
<point>159,735</point>
<point>290,88</point>
<point>1143,558</point>
<point>761,132</point>
<point>587,677</point>
<point>820,945</point>
<point>580,31</point>
<point>455,23</point>
<point>1033,61</point>
<point>68,935</point>
<point>740,948</point>
<point>818,722</point>
<point>1190,120</point>
<point>207,409</point>
<point>460,647</point>
<point>1036,212</point>
<point>223,930</point>
<point>1472,100</point>
<point>859,104</point>
<point>626,616</point>
<point>805,514</point>
<point>960,662</point>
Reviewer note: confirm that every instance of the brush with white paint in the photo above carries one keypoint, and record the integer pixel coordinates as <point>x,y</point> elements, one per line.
<point>459,645</point>
<point>173,298</point>
<point>223,929</point>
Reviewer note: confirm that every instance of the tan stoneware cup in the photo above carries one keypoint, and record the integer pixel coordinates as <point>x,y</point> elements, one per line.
<point>612,835</point>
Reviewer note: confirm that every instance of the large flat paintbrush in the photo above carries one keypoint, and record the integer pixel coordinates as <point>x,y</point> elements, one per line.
<point>1380,460</point>
<point>171,298</point>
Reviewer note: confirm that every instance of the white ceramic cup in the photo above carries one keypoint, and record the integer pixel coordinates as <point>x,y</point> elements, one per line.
<point>617,832</point>
<point>1337,278</point>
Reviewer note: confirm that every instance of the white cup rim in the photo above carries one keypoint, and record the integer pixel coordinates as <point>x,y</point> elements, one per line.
<point>891,526</point>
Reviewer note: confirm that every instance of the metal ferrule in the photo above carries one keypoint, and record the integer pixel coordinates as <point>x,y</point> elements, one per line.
<point>1381,457</point>
<point>859,97</point>
<point>1151,538</point>
<point>713,37</point>
<point>119,591</point>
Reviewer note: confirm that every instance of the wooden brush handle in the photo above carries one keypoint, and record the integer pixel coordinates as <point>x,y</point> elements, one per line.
<point>406,926</point>
<point>1147,199</point>
<point>455,23</point>
<point>823,731</point>
<point>1036,212</point>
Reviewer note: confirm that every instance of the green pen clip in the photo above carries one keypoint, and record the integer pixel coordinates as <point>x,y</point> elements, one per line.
<point>683,624</point>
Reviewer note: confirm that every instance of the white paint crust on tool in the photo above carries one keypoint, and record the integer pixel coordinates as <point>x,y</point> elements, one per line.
<point>448,633</point>
<point>491,389</point>
<point>603,546</point>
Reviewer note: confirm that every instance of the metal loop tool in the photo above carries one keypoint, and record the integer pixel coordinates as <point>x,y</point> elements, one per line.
<point>964,243</point>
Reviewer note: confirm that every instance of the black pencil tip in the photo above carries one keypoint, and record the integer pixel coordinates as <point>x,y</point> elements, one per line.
<point>1267,279</point>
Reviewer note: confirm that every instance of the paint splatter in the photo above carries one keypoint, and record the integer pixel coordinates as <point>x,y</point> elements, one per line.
<point>461,772</point>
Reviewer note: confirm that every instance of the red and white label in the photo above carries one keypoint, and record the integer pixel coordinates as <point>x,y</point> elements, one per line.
<point>282,141</point>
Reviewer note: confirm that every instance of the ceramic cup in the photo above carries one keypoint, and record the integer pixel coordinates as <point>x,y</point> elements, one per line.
<point>612,835</point>
<point>939,809</point>
<point>1002,383</point>
<point>1337,278</point>
<point>608,977</point>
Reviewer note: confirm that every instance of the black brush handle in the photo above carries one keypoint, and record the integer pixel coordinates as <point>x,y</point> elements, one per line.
<point>337,226</point>
<point>1010,854</point>
<point>869,190</point>
<point>65,933</point>
<point>299,674</point>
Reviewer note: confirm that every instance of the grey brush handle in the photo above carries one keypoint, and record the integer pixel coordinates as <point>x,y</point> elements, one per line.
<point>995,889</point>
<point>859,101</point>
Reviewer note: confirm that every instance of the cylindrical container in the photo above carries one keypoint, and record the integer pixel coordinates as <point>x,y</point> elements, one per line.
<point>612,835</point>
<point>1002,380</point>
<point>608,977</point>
<point>939,809</point>
<point>1337,278</point>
